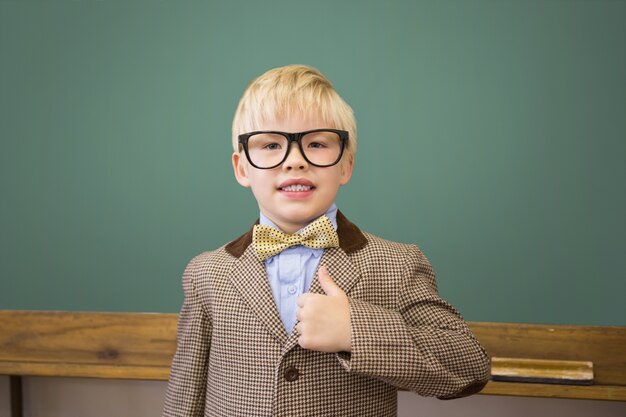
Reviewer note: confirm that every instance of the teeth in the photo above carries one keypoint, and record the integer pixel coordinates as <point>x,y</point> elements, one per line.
<point>297,187</point>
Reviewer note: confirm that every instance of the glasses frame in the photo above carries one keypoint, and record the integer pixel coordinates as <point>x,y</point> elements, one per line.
<point>294,137</point>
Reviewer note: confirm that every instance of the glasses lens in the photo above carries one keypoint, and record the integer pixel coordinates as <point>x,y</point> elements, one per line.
<point>267,149</point>
<point>322,148</point>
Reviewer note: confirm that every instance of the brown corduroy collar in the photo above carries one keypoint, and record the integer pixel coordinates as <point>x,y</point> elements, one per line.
<point>351,239</point>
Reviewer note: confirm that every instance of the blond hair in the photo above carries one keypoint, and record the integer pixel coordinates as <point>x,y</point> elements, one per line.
<point>283,91</point>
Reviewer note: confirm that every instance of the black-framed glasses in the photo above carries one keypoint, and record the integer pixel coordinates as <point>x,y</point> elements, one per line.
<point>266,149</point>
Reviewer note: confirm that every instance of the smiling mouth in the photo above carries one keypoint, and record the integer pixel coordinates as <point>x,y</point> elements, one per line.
<point>297,187</point>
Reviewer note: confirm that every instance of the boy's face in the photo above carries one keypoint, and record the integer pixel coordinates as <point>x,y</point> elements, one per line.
<point>292,210</point>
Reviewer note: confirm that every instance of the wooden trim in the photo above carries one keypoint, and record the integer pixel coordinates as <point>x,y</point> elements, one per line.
<point>54,338</point>
<point>154,372</point>
<point>602,345</point>
<point>521,389</point>
<point>141,346</point>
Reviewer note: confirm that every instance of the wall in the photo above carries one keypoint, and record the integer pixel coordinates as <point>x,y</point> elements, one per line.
<point>491,134</point>
<point>60,397</point>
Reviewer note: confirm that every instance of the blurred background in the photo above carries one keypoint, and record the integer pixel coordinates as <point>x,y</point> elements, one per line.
<point>492,134</point>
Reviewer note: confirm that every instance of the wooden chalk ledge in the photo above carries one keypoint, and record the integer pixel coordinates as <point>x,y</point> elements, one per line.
<point>542,371</point>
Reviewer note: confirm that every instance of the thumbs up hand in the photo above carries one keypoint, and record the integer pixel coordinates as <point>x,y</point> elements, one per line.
<point>324,320</point>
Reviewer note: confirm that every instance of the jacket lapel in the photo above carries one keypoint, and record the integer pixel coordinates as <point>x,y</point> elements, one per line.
<point>250,279</point>
<point>344,274</point>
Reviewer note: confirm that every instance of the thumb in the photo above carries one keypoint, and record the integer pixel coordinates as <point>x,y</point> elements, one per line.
<point>328,284</point>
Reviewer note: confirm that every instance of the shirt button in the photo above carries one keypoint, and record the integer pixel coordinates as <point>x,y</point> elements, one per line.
<point>291,373</point>
<point>292,289</point>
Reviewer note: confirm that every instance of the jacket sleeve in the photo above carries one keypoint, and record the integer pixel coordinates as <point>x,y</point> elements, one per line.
<point>186,389</point>
<point>423,345</point>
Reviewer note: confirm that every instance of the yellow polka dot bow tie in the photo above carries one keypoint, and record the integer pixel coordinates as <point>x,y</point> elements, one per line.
<point>269,241</point>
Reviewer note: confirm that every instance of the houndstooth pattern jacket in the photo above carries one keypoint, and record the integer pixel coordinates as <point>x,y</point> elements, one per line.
<point>234,357</point>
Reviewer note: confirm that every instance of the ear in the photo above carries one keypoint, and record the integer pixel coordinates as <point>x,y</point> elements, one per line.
<point>240,167</point>
<point>346,170</point>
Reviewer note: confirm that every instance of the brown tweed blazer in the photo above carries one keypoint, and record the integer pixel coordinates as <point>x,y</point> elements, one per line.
<point>234,357</point>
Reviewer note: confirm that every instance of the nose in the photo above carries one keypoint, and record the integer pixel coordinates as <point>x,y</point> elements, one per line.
<point>294,160</point>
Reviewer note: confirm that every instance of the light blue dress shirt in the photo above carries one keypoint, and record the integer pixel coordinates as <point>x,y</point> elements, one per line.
<point>290,273</point>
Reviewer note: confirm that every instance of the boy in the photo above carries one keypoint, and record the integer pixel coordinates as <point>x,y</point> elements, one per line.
<point>305,314</point>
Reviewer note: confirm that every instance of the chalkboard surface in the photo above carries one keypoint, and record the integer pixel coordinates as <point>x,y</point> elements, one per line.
<point>492,134</point>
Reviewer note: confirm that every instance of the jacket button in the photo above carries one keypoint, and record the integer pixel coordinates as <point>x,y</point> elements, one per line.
<point>291,373</point>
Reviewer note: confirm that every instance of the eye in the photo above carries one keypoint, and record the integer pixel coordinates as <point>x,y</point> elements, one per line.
<point>317,145</point>
<point>272,146</point>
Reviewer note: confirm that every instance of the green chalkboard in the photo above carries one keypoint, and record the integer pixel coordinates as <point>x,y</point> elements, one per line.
<point>492,134</point>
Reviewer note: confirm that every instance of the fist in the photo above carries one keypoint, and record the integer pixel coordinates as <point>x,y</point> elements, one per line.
<point>324,319</point>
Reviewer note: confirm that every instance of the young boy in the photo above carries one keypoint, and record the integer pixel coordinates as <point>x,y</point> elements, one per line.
<point>305,314</point>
